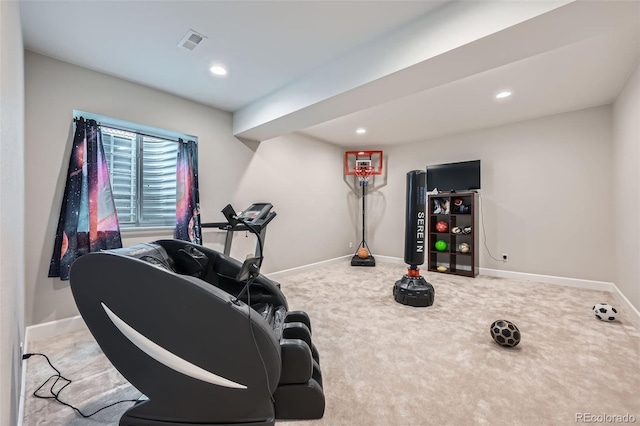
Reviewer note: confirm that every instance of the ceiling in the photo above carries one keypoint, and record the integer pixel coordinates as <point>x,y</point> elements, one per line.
<point>407,71</point>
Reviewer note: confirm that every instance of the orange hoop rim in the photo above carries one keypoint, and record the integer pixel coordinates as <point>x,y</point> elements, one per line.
<point>364,173</point>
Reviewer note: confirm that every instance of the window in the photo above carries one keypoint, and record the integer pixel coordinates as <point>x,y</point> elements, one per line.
<point>142,169</point>
<point>143,177</point>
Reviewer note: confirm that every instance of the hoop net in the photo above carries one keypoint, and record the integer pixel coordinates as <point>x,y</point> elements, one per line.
<point>363,174</point>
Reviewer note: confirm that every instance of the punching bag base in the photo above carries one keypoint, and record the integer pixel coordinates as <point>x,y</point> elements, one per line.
<point>413,291</point>
<point>367,261</point>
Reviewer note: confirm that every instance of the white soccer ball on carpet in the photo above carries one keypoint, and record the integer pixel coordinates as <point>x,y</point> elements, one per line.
<point>605,312</point>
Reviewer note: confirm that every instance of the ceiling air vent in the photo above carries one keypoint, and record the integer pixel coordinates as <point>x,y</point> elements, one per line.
<point>191,40</point>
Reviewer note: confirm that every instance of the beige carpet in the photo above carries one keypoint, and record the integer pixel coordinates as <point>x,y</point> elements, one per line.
<point>388,364</point>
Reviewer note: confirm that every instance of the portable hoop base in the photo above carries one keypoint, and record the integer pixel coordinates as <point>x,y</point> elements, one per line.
<point>413,291</point>
<point>367,261</point>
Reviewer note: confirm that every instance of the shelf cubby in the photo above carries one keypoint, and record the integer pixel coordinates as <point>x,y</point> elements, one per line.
<point>457,210</point>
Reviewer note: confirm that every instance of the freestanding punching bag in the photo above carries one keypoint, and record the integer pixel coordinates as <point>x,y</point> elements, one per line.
<point>412,289</point>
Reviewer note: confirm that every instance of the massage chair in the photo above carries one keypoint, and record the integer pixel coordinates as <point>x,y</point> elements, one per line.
<point>174,320</point>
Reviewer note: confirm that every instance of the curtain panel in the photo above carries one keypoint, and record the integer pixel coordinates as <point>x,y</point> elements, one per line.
<point>88,221</point>
<point>187,195</point>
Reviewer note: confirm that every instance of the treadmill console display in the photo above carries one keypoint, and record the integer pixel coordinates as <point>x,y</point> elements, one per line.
<point>255,212</point>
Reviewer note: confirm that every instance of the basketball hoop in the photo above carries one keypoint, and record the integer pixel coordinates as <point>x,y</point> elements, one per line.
<point>363,165</point>
<point>363,174</point>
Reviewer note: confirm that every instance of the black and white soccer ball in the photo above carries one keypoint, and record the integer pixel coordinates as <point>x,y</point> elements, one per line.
<point>505,333</point>
<point>605,312</point>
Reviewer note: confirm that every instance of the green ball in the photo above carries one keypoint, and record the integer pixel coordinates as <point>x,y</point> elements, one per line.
<point>441,245</point>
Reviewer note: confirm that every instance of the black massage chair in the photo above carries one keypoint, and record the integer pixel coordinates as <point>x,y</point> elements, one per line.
<point>173,318</point>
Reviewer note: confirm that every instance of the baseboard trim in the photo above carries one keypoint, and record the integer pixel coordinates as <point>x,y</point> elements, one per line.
<point>53,328</point>
<point>23,380</point>
<point>550,279</point>
<point>309,267</point>
<point>627,304</point>
<point>522,276</point>
<point>390,259</point>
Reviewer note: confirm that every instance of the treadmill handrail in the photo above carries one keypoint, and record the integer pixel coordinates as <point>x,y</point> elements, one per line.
<point>226,226</point>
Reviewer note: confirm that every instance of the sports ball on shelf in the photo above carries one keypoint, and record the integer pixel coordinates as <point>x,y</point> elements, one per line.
<point>442,268</point>
<point>605,312</point>
<point>363,253</point>
<point>442,226</point>
<point>466,230</point>
<point>459,206</point>
<point>464,248</point>
<point>456,230</point>
<point>441,245</point>
<point>505,333</point>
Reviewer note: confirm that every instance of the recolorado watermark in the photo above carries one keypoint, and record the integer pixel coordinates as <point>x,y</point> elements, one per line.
<point>605,418</point>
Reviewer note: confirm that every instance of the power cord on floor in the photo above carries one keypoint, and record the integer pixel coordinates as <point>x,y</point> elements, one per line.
<point>484,233</point>
<point>56,394</point>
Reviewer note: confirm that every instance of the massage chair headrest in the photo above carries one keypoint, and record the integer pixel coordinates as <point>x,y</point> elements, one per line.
<point>149,252</point>
<point>191,261</point>
<point>187,260</point>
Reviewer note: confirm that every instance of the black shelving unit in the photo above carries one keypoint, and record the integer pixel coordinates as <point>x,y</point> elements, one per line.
<point>457,210</point>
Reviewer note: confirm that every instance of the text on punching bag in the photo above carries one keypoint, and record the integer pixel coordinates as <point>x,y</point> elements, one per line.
<point>420,233</point>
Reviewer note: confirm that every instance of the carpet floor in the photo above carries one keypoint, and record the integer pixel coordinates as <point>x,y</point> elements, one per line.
<point>388,364</point>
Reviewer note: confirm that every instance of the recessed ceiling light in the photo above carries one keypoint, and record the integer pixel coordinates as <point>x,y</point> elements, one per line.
<point>361,131</point>
<point>504,94</point>
<point>218,70</point>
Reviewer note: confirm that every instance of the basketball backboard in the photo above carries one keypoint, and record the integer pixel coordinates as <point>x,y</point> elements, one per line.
<point>354,160</point>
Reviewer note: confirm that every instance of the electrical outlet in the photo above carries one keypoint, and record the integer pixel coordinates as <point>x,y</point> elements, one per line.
<point>350,244</point>
<point>505,257</point>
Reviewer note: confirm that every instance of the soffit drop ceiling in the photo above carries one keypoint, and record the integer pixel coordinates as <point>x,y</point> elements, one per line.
<point>407,71</point>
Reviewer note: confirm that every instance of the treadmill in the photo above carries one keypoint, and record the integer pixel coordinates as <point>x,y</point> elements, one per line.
<point>257,215</point>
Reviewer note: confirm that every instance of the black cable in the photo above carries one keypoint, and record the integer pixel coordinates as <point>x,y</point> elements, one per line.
<point>246,289</point>
<point>257,234</point>
<point>56,394</point>
<point>485,232</point>
<point>255,343</point>
<point>260,258</point>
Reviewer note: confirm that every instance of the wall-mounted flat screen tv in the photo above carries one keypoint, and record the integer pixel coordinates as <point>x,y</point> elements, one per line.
<point>462,176</point>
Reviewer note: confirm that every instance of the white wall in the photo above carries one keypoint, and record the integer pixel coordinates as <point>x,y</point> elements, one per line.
<point>626,185</point>
<point>230,171</point>
<point>11,210</point>
<point>303,179</point>
<point>546,193</point>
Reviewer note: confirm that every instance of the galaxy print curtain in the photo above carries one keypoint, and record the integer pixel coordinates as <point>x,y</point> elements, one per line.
<point>187,195</point>
<point>88,220</point>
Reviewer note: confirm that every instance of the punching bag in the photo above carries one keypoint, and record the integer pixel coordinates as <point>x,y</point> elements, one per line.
<point>415,228</point>
<point>412,289</point>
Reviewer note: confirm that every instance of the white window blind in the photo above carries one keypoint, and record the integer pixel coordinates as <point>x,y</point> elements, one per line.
<point>142,170</point>
<point>159,159</point>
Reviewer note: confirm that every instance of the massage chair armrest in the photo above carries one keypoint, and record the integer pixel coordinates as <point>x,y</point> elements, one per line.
<point>297,330</point>
<point>297,362</point>
<point>298,316</point>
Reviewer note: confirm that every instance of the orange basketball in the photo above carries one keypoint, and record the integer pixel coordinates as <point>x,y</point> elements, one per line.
<point>363,253</point>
